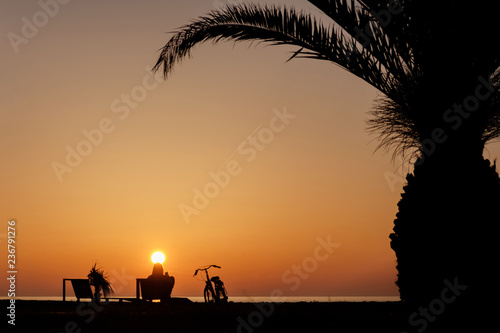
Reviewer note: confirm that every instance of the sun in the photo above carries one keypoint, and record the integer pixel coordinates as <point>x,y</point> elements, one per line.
<point>158,257</point>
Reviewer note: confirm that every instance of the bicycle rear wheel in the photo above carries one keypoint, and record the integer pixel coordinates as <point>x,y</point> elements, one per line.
<point>223,294</point>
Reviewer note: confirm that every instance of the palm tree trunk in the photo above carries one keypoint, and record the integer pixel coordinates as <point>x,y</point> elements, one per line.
<point>97,293</point>
<point>442,233</point>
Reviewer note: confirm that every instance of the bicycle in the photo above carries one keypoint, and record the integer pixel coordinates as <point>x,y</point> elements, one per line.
<point>215,293</point>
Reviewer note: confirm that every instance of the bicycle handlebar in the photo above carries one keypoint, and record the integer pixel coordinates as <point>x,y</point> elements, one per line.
<point>205,269</point>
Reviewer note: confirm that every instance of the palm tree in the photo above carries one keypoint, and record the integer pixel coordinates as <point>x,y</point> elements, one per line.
<point>437,67</point>
<point>99,280</point>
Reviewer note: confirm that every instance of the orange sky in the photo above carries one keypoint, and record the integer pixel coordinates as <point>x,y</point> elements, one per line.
<point>145,149</point>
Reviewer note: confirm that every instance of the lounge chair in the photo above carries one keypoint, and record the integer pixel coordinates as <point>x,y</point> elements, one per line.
<point>152,289</point>
<point>81,287</point>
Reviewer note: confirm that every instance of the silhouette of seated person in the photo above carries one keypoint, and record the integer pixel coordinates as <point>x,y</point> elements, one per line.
<point>160,285</point>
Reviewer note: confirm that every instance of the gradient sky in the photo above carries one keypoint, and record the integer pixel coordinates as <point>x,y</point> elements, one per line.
<point>84,72</point>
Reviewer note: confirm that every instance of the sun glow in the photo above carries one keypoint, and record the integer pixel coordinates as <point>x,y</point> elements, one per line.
<point>158,257</point>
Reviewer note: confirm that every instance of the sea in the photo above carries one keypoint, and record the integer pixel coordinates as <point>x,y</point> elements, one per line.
<point>246,299</point>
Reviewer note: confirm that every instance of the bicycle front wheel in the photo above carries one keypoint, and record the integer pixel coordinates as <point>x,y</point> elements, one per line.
<point>207,294</point>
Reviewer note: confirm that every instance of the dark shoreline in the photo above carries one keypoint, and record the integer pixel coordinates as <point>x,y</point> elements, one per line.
<point>58,316</point>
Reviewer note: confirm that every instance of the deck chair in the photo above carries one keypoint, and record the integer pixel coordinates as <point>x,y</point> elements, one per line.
<point>81,287</point>
<point>151,290</point>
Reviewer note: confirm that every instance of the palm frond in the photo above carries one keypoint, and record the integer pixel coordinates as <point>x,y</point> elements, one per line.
<point>370,28</point>
<point>275,26</point>
<point>420,50</point>
<point>492,127</point>
<point>394,126</point>
<point>99,280</point>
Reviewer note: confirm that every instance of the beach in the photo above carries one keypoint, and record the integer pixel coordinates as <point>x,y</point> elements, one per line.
<point>186,316</point>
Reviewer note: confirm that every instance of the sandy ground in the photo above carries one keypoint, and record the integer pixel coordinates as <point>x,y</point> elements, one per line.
<point>183,316</point>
